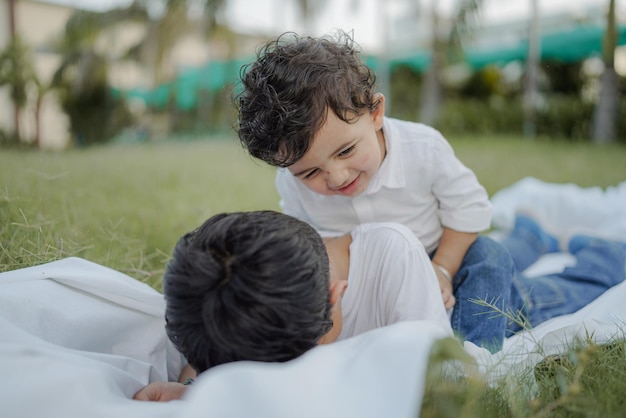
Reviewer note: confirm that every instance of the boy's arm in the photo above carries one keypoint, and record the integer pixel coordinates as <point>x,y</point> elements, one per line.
<point>447,260</point>
<point>464,204</point>
<point>161,392</point>
<point>167,391</point>
<point>187,373</point>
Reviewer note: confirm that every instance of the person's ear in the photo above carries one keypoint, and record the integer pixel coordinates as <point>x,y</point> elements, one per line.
<point>337,290</point>
<point>378,111</point>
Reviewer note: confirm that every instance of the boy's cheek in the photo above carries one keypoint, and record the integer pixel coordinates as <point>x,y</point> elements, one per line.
<point>304,182</point>
<point>371,163</point>
<point>319,187</point>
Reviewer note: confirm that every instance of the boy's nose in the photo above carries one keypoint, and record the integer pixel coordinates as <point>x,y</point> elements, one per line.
<point>336,178</point>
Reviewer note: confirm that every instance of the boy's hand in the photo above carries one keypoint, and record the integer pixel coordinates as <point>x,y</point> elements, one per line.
<point>446,289</point>
<point>161,392</point>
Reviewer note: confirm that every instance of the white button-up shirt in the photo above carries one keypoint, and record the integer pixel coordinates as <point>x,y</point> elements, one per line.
<point>390,280</point>
<point>420,184</point>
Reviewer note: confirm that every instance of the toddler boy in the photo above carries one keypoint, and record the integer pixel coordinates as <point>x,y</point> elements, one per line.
<point>308,106</point>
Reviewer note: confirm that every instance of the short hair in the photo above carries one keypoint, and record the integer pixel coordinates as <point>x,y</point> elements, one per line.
<point>247,286</point>
<point>287,92</point>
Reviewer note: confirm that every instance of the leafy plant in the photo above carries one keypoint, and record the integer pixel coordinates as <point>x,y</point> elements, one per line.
<point>18,73</point>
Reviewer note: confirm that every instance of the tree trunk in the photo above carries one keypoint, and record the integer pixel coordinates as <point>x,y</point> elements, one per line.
<point>606,111</point>
<point>532,69</point>
<point>431,99</point>
<point>38,119</point>
<point>431,95</point>
<point>605,114</point>
<point>383,71</point>
<point>16,108</point>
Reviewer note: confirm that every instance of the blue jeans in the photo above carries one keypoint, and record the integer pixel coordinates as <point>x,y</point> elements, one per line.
<point>524,248</point>
<point>486,273</point>
<point>599,266</point>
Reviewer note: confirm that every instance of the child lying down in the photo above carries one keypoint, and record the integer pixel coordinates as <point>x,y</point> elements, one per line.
<point>78,339</point>
<point>255,286</point>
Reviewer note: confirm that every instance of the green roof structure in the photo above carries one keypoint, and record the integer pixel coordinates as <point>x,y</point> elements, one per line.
<point>567,46</point>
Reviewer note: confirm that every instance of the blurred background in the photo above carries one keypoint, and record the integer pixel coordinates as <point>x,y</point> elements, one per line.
<point>81,72</point>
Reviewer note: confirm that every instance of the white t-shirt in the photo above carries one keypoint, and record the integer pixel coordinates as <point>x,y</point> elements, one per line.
<point>420,184</point>
<point>390,280</point>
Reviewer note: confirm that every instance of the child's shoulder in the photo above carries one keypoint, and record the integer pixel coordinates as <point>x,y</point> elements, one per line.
<point>386,233</point>
<point>415,141</point>
<point>405,130</point>
<point>412,126</point>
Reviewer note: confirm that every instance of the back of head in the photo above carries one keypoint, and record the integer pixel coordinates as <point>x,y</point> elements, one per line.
<point>289,89</point>
<point>247,286</point>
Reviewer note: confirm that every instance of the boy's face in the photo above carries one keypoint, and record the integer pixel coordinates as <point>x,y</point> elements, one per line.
<point>344,157</point>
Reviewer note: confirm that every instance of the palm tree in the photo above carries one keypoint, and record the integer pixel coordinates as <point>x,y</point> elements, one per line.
<point>444,51</point>
<point>164,31</point>
<point>161,35</point>
<point>533,60</point>
<point>81,80</point>
<point>83,72</point>
<point>16,108</point>
<point>18,73</point>
<point>605,114</point>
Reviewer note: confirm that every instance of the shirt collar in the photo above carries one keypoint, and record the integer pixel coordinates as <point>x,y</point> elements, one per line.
<point>391,172</point>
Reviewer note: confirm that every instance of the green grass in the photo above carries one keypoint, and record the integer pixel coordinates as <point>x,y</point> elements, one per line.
<point>498,162</point>
<point>121,206</point>
<point>125,206</point>
<point>587,380</point>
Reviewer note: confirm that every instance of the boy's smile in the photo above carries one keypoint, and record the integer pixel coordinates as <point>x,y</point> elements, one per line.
<point>344,157</point>
<point>350,188</point>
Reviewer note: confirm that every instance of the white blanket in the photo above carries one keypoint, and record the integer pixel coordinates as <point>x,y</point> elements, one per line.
<point>564,207</point>
<point>78,340</point>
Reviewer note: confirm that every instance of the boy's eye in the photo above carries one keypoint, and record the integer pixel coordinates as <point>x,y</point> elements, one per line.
<point>346,151</point>
<point>310,174</point>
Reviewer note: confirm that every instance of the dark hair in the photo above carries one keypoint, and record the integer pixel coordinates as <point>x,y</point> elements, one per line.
<point>288,90</point>
<point>247,286</point>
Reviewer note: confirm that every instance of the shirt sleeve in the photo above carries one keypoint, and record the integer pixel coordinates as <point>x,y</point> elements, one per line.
<point>463,202</point>
<point>412,288</point>
<point>397,281</point>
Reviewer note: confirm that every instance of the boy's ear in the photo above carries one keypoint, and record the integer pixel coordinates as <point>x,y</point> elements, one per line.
<point>377,114</point>
<point>337,289</point>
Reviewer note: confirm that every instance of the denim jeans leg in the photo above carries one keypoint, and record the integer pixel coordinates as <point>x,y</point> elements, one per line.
<point>486,274</point>
<point>524,248</point>
<point>599,266</point>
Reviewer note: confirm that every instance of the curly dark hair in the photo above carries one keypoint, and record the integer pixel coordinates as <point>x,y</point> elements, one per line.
<point>247,286</point>
<point>287,92</point>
